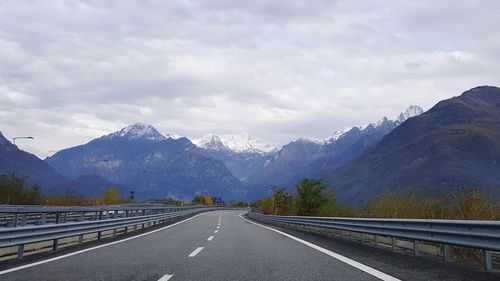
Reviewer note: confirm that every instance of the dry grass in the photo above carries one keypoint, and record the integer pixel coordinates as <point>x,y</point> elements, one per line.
<point>468,204</point>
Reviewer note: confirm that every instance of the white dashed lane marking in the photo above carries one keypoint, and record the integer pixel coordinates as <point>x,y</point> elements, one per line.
<point>195,252</point>
<point>166,277</point>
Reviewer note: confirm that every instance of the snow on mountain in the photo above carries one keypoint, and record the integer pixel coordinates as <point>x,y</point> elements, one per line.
<point>411,111</point>
<point>138,131</point>
<point>337,135</point>
<point>237,143</point>
<point>173,136</point>
<point>311,140</point>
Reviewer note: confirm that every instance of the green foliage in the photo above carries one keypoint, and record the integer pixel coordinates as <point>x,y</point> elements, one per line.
<point>311,196</point>
<point>311,199</point>
<point>15,190</point>
<point>284,203</point>
<point>199,199</point>
<point>203,200</point>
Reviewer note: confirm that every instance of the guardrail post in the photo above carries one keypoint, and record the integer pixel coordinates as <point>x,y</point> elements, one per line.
<point>20,252</point>
<point>362,238</point>
<point>82,216</point>
<point>393,243</point>
<point>416,247</point>
<point>43,219</point>
<point>376,240</point>
<point>58,217</point>
<point>80,239</point>
<point>14,222</point>
<point>446,253</point>
<point>23,219</point>
<point>99,233</point>
<point>55,244</point>
<point>487,261</point>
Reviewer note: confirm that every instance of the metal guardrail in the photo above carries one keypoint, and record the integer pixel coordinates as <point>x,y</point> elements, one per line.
<point>484,235</point>
<point>100,219</point>
<point>15,216</point>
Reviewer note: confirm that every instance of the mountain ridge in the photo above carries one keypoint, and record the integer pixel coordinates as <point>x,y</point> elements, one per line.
<point>139,156</point>
<point>454,144</point>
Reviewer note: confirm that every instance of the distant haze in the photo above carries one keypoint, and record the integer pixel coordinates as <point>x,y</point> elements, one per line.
<point>71,71</point>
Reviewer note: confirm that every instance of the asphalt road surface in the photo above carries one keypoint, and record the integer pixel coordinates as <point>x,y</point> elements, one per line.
<point>223,245</point>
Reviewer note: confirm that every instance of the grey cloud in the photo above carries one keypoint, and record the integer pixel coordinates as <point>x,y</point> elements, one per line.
<point>71,71</point>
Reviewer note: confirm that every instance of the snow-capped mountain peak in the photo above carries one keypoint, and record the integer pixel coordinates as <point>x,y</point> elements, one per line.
<point>337,135</point>
<point>139,131</point>
<point>173,136</point>
<point>310,140</point>
<point>411,111</point>
<point>237,143</point>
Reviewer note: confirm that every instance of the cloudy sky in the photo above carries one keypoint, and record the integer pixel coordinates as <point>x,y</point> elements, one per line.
<point>71,71</point>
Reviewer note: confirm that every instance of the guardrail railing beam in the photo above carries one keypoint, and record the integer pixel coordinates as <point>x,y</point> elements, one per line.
<point>483,235</point>
<point>77,222</point>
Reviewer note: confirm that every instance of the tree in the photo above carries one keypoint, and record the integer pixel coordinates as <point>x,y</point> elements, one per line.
<point>199,199</point>
<point>266,205</point>
<point>14,190</point>
<point>311,195</point>
<point>283,202</point>
<point>111,196</point>
<point>209,200</point>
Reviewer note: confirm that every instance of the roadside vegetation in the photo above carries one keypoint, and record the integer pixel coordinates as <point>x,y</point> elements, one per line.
<point>309,198</point>
<point>314,198</point>
<point>16,190</point>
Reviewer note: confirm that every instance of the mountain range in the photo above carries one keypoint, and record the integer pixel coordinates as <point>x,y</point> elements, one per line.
<point>236,166</point>
<point>154,166</point>
<point>37,171</point>
<point>454,144</point>
<point>307,158</point>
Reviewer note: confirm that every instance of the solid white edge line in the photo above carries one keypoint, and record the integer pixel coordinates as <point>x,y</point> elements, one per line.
<point>195,252</point>
<point>218,227</point>
<point>210,238</point>
<point>358,265</point>
<point>216,231</point>
<point>93,248</point>
<point>166,277</point>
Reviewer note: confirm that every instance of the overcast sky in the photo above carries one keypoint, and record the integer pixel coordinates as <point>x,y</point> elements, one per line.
<point>71,71</point>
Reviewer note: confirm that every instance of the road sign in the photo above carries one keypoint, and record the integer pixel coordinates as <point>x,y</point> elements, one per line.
<point>218,200</point>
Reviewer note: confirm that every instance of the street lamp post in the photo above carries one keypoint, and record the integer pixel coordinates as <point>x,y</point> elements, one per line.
<point>15,138</point>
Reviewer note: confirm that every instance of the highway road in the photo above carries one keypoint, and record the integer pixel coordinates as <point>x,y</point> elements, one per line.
<point>223,245</point>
